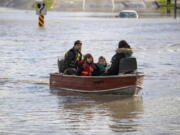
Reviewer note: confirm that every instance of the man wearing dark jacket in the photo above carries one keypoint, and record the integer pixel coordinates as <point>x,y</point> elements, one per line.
<point>73,56</point>
<point>123,51</point>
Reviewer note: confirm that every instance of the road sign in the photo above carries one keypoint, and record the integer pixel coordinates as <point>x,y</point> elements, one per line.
<point>41,8</point>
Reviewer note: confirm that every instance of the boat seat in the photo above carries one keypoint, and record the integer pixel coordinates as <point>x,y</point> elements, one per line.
<point>127,65</point>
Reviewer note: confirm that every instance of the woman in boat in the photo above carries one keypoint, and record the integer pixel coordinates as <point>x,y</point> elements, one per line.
<point>124,51</point>
<point>87,66</point>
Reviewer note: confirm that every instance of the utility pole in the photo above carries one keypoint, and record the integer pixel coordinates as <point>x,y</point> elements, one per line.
<point>84,5</point>
<point>113,5</point>
<point>175,8</point>
<point>168,2</point>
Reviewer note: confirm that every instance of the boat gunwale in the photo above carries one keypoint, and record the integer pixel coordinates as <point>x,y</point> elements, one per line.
<point>138,74</point>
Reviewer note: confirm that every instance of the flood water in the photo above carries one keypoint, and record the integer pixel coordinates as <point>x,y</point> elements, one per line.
<point>28,54</point>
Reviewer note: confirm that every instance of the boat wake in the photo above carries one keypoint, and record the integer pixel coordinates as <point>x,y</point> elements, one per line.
<point>11,80</point>
<point>175,47</point>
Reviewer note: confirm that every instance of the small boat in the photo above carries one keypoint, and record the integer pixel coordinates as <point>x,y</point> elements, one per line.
<point>124,84</point>
<point>128,84</point>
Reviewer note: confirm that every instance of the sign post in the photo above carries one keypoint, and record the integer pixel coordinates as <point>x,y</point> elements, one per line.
<point>41,10</point>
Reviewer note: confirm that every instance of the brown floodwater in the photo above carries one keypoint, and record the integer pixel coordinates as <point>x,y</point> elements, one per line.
<point>28,54</point>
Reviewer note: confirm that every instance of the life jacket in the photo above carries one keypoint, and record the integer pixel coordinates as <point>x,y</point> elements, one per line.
<point>86,70</point>
<point>78,55</point>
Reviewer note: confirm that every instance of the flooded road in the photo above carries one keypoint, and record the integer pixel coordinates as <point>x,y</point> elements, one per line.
<point>28,54</point>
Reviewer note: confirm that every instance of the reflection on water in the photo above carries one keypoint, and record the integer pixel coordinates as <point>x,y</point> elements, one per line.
<point>100,112</point>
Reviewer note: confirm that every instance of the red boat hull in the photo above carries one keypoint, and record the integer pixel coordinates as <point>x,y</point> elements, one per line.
<point>123,84</point>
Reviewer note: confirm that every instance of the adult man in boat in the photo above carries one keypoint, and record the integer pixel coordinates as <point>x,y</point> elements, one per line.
<point>73,56</point>
<point>124,51</point>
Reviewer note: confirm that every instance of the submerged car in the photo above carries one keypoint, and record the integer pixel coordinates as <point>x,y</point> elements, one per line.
<point>128,14</point>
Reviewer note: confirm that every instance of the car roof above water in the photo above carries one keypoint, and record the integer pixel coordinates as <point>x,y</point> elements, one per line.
<point>128,14</point>
<point>128,11</point>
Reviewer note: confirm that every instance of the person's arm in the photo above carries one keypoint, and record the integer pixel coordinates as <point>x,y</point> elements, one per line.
<point>114,69</point>
<point>70,59</point>
<point>96,71</point>
<point>79,69</point>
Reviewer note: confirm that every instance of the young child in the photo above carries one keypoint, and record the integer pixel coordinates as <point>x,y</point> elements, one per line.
<point>102,64</point>
<point>87,66</point>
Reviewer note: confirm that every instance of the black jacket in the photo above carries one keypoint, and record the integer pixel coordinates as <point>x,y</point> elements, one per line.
<point>120,53</point>
<point>71,58</point>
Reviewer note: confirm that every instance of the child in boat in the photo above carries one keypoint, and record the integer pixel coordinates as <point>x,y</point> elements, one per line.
<point>87,66</point>
<point>101,65</point>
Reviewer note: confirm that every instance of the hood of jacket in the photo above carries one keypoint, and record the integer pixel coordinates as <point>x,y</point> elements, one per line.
<point>125,50</point>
